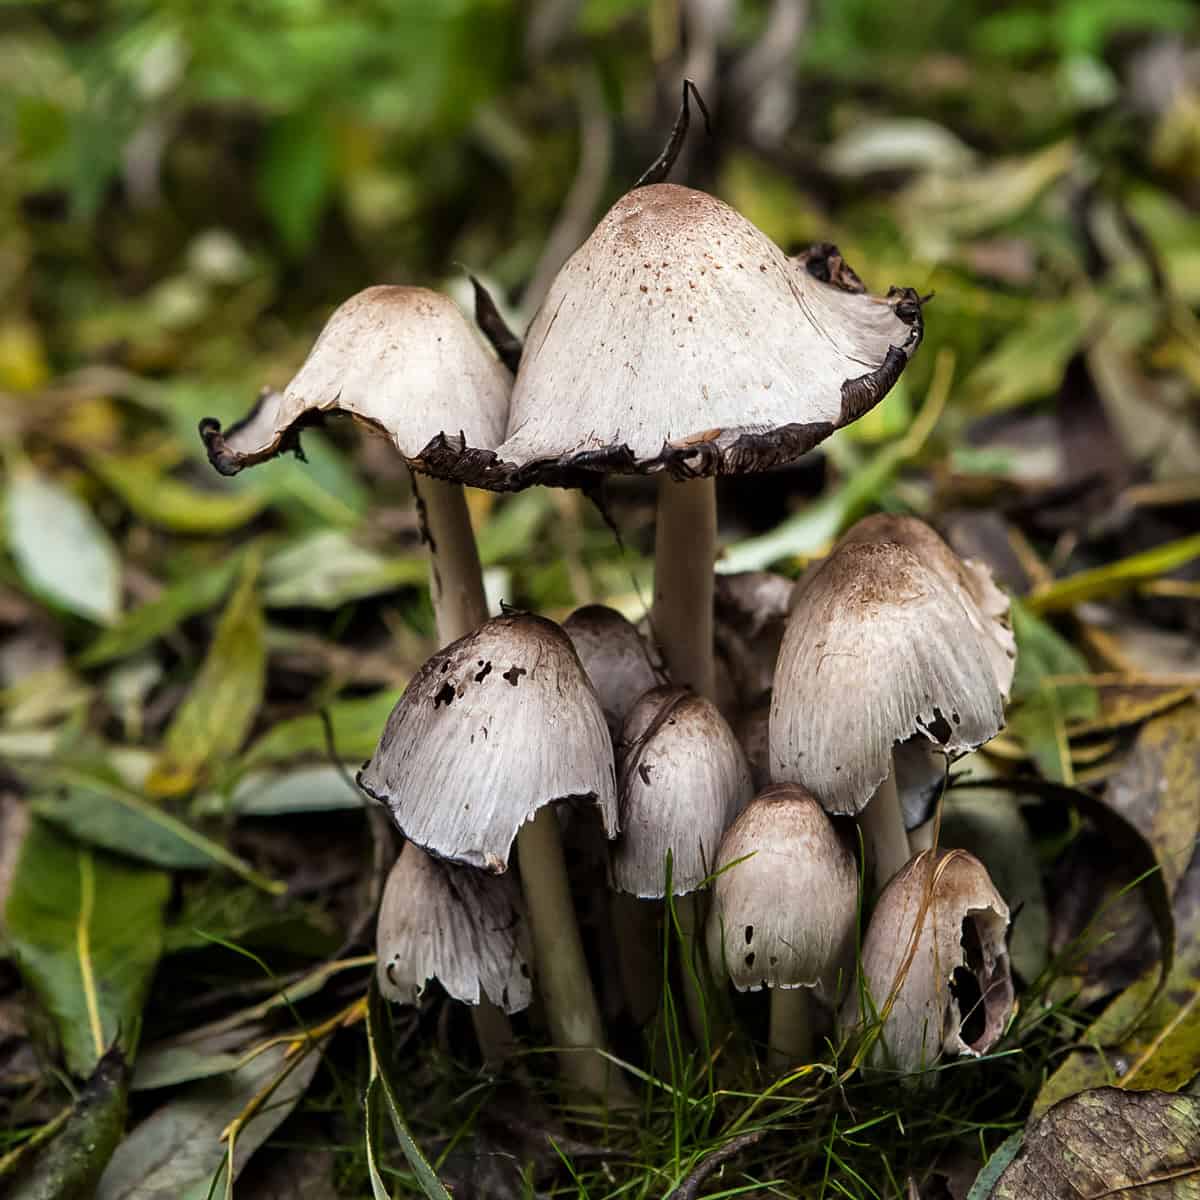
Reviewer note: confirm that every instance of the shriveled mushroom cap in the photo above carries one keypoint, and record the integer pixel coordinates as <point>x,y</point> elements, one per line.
<point>453,924</point>
<point>785,916</point>
<point>750,610</point>
<point>986,605</point>
<point>680,337</point>
<point>490,729</point>
<point>935,952</point>
<point>616,658</point>
<point>403,359</point>
<point>683,779</point>
<point>879,647</point>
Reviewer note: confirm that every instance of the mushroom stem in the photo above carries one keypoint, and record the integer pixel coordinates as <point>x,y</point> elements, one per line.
<point>455,577</point>
<point>789,1037</point>
<point>884,838</point>
<point>689,913</point>
<point>493,1032</point>
<point>639,955</point>
<point>562,973</point>
<point>685,546</point>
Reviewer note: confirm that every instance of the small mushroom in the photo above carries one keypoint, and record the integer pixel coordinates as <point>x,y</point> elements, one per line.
<point>750,616</point>
<point>784,908</point>
<point>935,971</point>
<point>488,735</point>
<point>885,642</point>
<point>454,924</point>
<point>615,657</point>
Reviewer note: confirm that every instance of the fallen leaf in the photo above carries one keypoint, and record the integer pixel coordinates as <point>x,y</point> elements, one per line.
<point>326,570</point>
<point>1107,1143</point>
<point>354,726</point>
<point>86,931</point>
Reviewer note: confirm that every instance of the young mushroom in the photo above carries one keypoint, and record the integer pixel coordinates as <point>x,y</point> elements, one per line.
<point>784,908</point>
<point>683,778</point>
<point>935,971</point>
<point>459,926</point>
<point>488,735</point>
<point>679,340</point>
<point>887,640</point>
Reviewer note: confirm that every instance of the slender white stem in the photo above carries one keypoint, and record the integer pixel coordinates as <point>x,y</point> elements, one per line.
<point>789,1037</point>
<point>685,547</point>
<point>884,838</point>
<point>455,577</point>
<point>689,912</point>
<point>639,954</point>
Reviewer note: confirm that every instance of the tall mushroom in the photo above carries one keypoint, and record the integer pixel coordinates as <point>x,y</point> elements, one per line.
<point>885,642</point>
<point>488,735</point>
<point>935,972</point>
<point>679,340</point>
<point>459,926</point>
<point>683,778</point>
<point>785,903</point>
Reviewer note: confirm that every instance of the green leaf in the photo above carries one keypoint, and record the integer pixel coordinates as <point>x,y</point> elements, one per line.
<point>326,569</point>
<point>105,814</point>
<point>177,1152</point>
<point>167,503</point>
<point>217,713</point>
<point>981,1189</point>
<point>69,1165</point>
<point>86,931</point>
<point>61,550</point>
<point>306,789</point>
<point>197,593</point>
<point>294,176</point>
<point>379,1037</point>
<point>355,725</point>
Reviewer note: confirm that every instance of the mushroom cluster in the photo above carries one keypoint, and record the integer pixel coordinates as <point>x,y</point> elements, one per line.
<point>678,341</point>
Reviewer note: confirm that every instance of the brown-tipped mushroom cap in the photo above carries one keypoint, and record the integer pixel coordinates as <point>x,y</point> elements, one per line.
<point>490,729</point>
<point>680,337</point>
<point>453,924</point>
<point>403,359</point>
<point>942,964</point>
<point>879,647</point>
<point>984,602</point>
<point>785,916</point>
<point>683,779</point>
<point>615,657</point>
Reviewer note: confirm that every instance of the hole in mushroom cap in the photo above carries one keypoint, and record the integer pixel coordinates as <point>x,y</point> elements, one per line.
<point>444,695</point>
<point>939,728</point>
<point>982,992</point>
<point>749,934</point>
<point>513,674</point>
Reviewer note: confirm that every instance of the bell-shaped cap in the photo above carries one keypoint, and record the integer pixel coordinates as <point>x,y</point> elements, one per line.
<point>785,916</point>
<point>753,732</point>
<point>403,359</point>
<point>680,337</point>
<point>971,580</point>
<point>879,647</point>
<point>935,964</point>
<point>750,610</point>
<point>490,729</point>
<point>453,924</point>
<point>616,658</point>
<point>683,779</point>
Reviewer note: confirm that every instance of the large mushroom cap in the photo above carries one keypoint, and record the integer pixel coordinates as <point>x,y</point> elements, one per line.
<point>453,924</point>
<point>935,951</point>
<point>403,359</point>
<point>783,917</point>
<point>879,647</point>
<point>616,658</point>
<point>680,337</point>
<point>683,779</point>
<point>490,729</point>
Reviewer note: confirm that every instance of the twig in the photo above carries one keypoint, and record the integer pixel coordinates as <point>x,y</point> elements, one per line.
<point>689,1188</point>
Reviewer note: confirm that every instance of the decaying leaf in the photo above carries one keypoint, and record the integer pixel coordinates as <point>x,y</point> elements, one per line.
<point>1109,1143</point>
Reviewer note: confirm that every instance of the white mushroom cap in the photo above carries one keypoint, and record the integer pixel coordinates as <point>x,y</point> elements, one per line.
<point>879,647</point>
<point>453,924</point>
<point>935,949</point>
<point>785,916</point>
<point>490,729</point>
<point>683,779</point>
<point>616,658</point>
<point>403,359</point>
<point>680,337</point>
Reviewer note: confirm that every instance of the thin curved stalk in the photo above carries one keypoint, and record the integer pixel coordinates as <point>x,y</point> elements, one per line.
<point>884,838</point>
<point>789,1039</point>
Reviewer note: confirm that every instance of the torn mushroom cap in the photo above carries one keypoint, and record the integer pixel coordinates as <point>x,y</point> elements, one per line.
<point>935,951</point>
<point>750,610</point>
<point>680,337</point>
<point>403,359</point>
<point>785,916</point>
<point>984,602</point>
<point>615,657</point>
<point>879,647</point>
<point>490,729</point>
<point>453,924</point>
<point>683,779</point>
